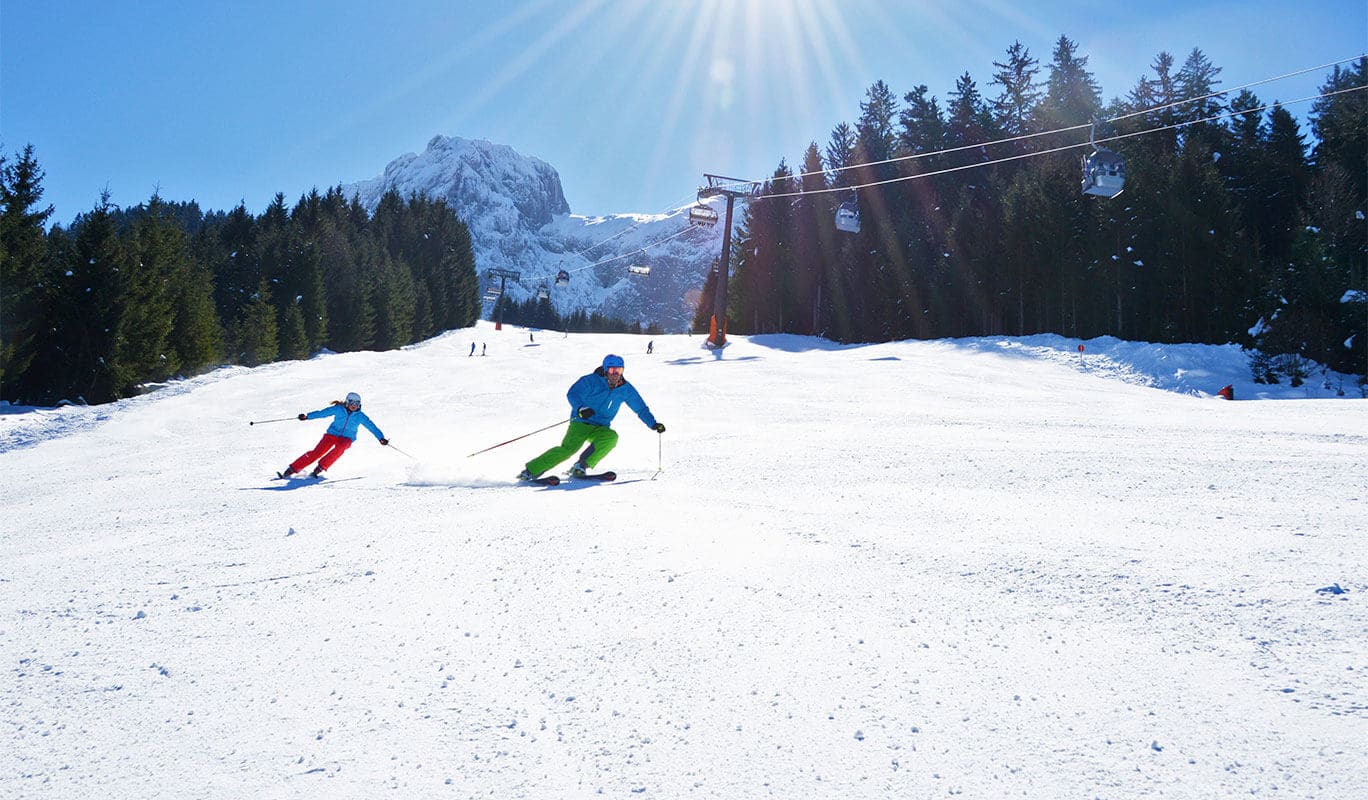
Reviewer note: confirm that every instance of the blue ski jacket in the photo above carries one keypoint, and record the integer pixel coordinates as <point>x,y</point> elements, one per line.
<point>345,423</point>
<point>592,391</point>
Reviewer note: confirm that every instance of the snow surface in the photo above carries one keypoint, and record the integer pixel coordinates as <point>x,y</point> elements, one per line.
<point>967,567</point>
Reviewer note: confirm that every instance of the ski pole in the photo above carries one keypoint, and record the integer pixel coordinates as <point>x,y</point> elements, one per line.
<point>264,421</point>
<point>660,447</point>
<point>401,452</point>
<point>516,438</point>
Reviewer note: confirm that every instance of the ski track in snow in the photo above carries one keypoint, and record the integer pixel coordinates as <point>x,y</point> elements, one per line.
<point>969,567</point>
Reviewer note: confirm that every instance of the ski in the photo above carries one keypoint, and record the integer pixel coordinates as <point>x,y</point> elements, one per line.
<point>602,477</point>
<point>549,480</point>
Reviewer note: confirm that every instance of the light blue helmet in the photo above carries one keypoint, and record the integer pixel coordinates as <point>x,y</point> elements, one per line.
<point>611,360</point>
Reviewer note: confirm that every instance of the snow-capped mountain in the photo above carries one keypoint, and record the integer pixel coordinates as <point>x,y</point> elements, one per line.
<point>519,221</point>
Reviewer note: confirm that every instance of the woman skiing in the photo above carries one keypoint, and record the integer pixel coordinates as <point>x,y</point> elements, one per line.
<point>347,418</point>
<point>594,401</point>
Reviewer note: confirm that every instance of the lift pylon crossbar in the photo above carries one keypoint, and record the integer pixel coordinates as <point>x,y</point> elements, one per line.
<point>731,187</point>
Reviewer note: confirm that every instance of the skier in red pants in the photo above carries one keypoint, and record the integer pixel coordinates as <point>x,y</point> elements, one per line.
<point>347,420</point>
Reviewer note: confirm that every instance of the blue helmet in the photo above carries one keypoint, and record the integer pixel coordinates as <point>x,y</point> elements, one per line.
<point>611,360</point>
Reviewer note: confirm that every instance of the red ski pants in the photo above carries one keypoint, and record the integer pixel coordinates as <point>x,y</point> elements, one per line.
<point>329,448</point>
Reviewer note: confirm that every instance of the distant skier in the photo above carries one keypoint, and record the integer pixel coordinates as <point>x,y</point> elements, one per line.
<point>594,401</point>
<point>650,347</point>
<point>482,348</point>
<point>472,348</point>
<point>347,418</point>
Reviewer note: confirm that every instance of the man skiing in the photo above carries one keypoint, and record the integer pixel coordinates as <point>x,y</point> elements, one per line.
<point>594,401</point>
<point>347,418</point>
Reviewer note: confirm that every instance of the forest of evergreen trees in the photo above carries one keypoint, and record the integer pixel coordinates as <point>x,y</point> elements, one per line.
<point>130,297</point>
<point>1229,229</point>
<point>539,313</point>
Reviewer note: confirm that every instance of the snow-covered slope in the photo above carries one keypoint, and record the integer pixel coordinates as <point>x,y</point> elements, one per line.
<point>519,221</point>
<point>914,569</point>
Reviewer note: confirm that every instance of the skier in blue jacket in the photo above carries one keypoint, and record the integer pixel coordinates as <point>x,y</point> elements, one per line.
<point>347,419</point>
<point>594,401</point>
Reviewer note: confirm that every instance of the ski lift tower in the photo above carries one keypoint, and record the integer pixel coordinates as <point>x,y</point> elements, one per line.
<point>730,188</point>
<point>503,275</point>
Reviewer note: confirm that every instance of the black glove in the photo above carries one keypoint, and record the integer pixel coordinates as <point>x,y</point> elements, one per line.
<point>586,413</point>
<point>660,427</point>
<point>303,417</point>
<point>384,441</point>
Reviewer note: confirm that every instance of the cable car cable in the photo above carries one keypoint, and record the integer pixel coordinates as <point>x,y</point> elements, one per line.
<point>1061,149</point>
<point>995,142</point>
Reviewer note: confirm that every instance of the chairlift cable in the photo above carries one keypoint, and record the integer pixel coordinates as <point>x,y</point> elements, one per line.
<point>995,142</point>
<point>1061,149</point>
<point>671,209</point>
<point>641,249</point>
<point>1233,89</point>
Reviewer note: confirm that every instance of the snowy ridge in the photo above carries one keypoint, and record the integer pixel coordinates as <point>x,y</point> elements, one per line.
<point>487,180</point>
<point>519,220</point>
<point>1194,369</point>
<point>27,426</point>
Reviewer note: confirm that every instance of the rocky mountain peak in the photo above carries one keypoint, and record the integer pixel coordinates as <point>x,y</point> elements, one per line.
<point>519,220</point>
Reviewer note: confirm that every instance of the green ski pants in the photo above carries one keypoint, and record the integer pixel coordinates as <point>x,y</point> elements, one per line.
<point>601,439</point>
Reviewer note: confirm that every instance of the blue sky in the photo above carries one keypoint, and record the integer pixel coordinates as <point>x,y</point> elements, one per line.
<point>631,100</point>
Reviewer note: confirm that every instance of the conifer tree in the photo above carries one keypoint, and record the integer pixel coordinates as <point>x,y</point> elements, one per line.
<point>350,315</point>
<point>1072,95</point>
<point>458,263</point>
<point>1339,200</point>
<point>968,121</point>
<point>844,265</point>
<point>1196,84</point>
<point>196,333</point>
<point>257,334</point>
<point>238,274</point>
<point>142,347</point>
<point>1158,98</point>
<point>840,153</point>
<point>306,284</point>
<point>1241,161</point>
<point>1339,122</point>
<point>392,290</point>
<point>921,127</point>
<point>761,289</point>
<point>292,338</point>
<point>22,253</point>
<point>874,132</point>
<point>813,245</point>
<point>86,303</point>
<point>1015,107</point>
<point>1282,185</point>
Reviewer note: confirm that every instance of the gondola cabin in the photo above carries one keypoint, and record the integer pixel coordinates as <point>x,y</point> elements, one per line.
<point>562,278</point>
<point>543,293</point>
<point>848,217</point>
<point>637,269</point>
<point>702,216</point>
<point>1104,173</point>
